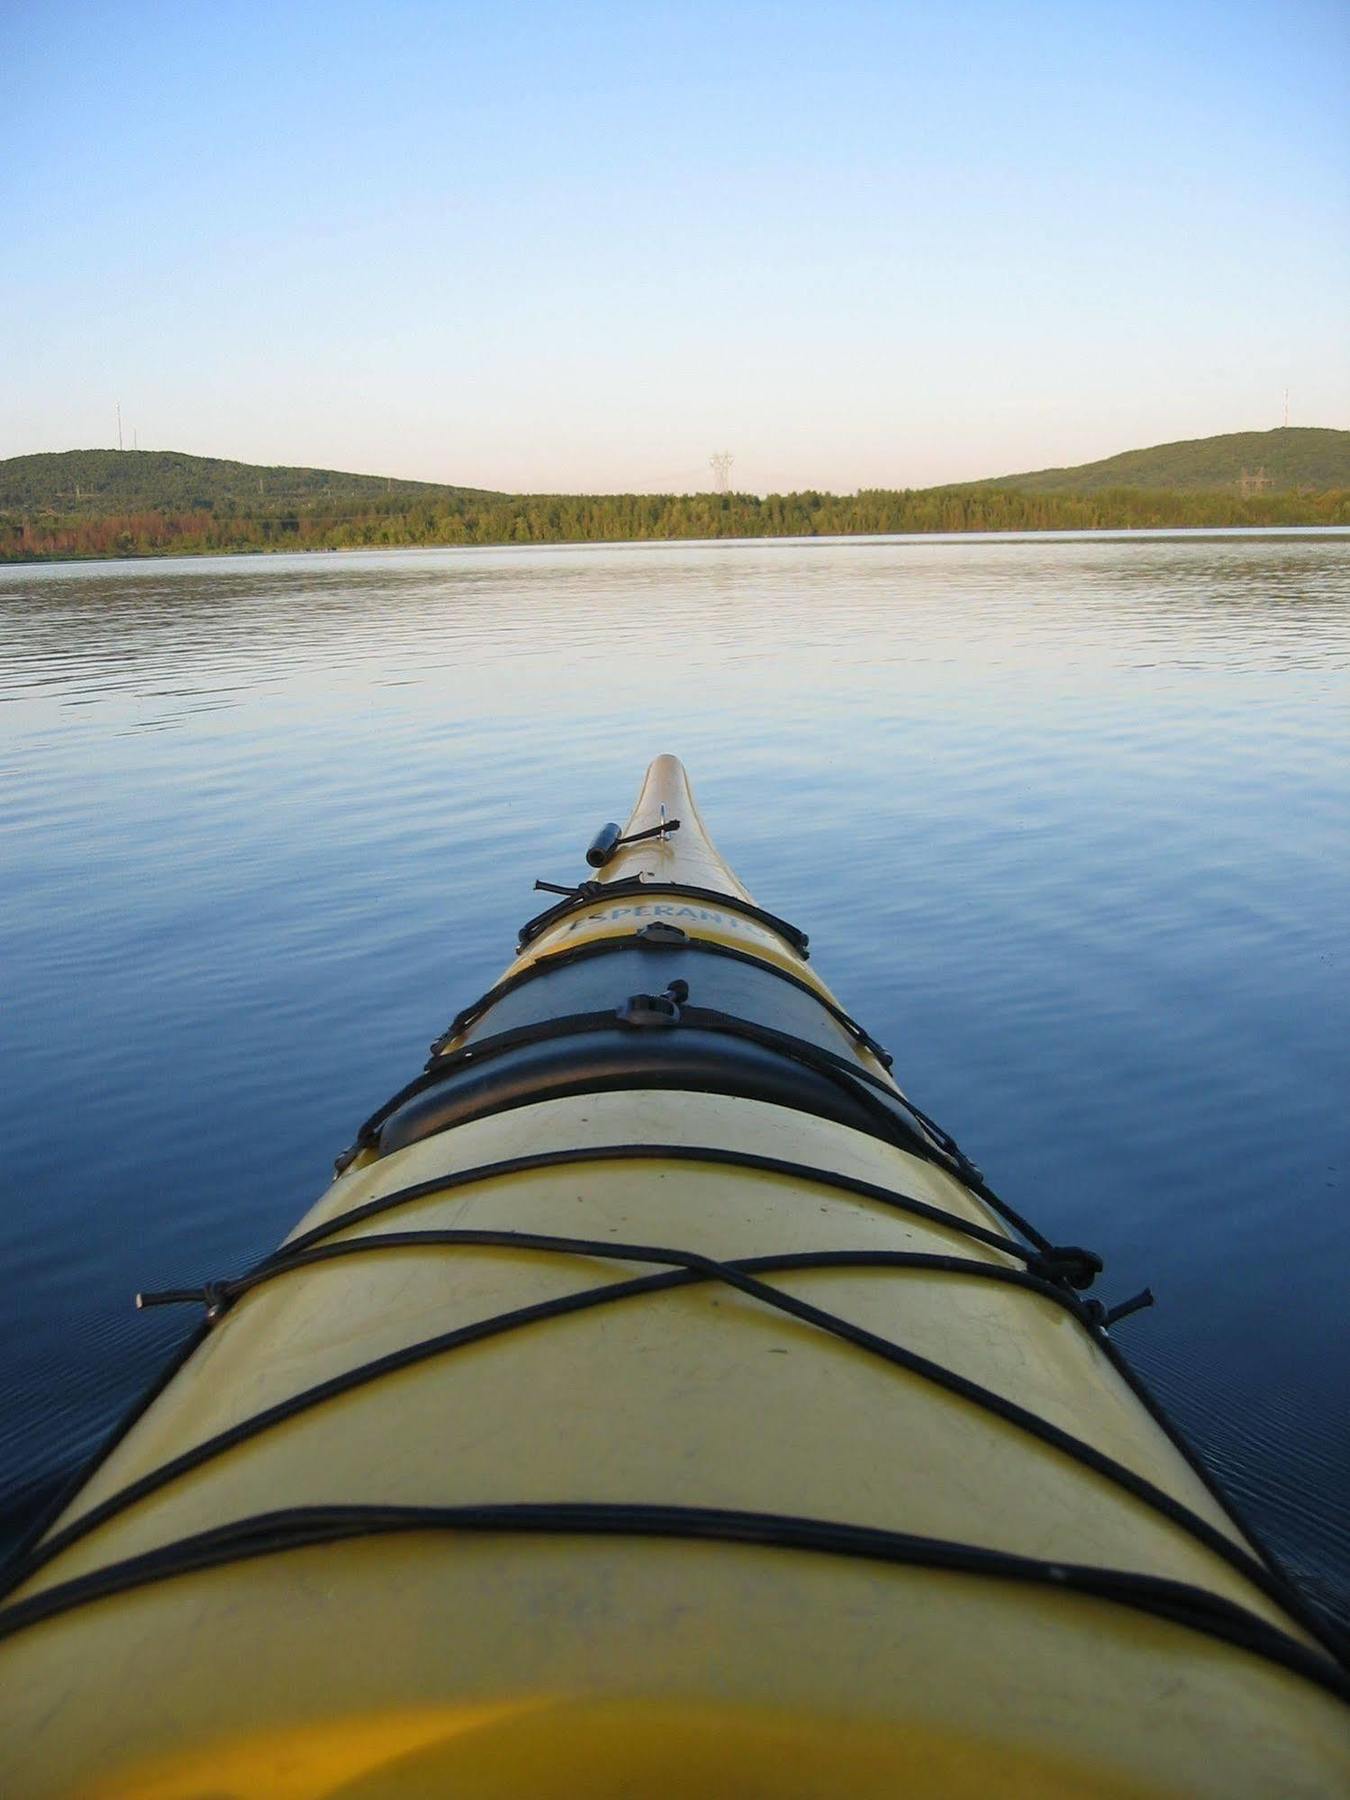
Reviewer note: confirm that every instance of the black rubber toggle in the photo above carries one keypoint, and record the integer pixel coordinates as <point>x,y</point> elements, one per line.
<point>604,844</point>
<point>609,840</point>
<point>1107,1316</point>
<point>215,1296</point>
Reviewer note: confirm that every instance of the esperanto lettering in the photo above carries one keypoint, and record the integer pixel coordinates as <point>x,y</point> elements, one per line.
<point>660,909</point>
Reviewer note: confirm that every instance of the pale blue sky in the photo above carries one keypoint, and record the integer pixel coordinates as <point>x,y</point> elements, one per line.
<point>583,246</point>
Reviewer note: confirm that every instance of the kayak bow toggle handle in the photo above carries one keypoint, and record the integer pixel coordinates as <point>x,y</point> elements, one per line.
<point>610,839</point>
<point>603,845</point>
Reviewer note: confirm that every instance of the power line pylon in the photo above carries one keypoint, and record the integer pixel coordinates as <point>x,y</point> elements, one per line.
<point>720,462</point>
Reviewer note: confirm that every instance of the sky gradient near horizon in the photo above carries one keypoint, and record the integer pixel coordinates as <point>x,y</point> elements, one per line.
<point>583,246</point>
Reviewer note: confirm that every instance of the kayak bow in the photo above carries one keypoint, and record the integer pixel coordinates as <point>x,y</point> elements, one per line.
<point>657,1402</point>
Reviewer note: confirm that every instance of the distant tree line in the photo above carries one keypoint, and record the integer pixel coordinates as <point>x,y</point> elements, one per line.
<point>616,518</point>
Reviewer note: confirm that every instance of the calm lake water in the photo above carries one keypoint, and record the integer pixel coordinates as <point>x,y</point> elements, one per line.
<point>1068,821</point>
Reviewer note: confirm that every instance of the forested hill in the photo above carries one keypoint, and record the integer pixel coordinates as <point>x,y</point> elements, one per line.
<point>1288,460</point>
<point>156,502</point>
<point>94,483</point>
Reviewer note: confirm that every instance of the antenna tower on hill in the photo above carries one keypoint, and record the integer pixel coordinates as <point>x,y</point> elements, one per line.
<point>720,462</point>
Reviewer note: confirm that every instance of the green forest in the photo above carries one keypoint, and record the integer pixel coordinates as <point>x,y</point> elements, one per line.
<point>617,518</point>
<point>109,503</point>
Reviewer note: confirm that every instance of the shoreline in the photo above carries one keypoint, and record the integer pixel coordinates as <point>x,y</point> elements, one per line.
<point>274,546</point>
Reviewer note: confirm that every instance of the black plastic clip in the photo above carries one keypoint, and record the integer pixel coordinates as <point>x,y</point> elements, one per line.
<point>659,934</point>
<point>1069,1263</point>
<point>646,1012</point>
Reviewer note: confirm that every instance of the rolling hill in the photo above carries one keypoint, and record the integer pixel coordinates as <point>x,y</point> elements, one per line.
<point>96,483</point>
<point>1283,461</point>
<point>99,483</point>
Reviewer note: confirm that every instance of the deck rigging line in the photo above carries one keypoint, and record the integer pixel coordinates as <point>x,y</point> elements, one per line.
<point>682,1266</point>
<point>296,1528</point>
<point>576,896</point>
<point>648,939</point>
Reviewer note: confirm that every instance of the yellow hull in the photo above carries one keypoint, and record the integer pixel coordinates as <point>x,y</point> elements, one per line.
<point>673,1539</point>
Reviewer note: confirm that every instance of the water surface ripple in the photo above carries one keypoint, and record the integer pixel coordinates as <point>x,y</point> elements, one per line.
<point>1067,821</point>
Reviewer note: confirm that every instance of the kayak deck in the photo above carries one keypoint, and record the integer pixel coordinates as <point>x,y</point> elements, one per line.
<point>657,1400</point>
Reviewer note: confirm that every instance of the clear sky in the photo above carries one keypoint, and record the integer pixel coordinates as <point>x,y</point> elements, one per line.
<point>578,246</point>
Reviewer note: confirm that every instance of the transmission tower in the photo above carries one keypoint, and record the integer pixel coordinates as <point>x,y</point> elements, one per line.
<point>720,463</point>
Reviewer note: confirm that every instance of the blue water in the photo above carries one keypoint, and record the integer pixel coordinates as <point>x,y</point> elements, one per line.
<point>1068,821</point>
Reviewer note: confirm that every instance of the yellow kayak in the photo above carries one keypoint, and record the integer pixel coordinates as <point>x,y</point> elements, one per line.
<point>657,1403</point>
